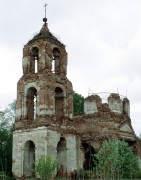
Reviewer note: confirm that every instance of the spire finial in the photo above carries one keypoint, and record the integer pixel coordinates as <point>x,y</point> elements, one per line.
<point>45,19</point>
<point>45,8</point>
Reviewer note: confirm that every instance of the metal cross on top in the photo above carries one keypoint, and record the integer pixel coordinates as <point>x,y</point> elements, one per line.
<point>45,6</point>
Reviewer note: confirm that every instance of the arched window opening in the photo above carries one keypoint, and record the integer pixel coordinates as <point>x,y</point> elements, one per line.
<point>56,61</point>
<point>32,104</point>
<point>61,156</point>
<point>29,159</point>
<point>89,152</point>
<point>59,102</point>
<point>35,60</point>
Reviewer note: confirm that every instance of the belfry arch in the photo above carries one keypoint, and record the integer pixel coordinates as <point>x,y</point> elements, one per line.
<point>59,102</point>
<point>56,61</point>
<point>34,60</point>
<point>31,103</point>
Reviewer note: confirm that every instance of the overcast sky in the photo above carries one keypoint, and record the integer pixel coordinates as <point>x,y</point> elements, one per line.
<point>102,38</point>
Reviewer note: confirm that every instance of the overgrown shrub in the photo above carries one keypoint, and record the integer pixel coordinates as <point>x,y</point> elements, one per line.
<point>45,167</point>
<point>115,160</point>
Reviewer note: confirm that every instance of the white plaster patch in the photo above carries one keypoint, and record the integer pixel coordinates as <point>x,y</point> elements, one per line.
<point>18,113</point>
<point>126,128</point>
<point>90,107</point>
<point>116,106</point>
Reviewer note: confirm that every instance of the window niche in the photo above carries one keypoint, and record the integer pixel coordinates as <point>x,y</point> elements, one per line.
<point>62,155</point>
<point>29,158</point>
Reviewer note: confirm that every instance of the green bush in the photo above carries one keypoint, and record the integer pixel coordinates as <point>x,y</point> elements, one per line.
<point>115,160</point>
<point>78,104</point>
<point>45,167</point>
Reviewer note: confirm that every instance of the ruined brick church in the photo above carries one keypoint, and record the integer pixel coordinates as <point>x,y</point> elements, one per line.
<point>45,124</point>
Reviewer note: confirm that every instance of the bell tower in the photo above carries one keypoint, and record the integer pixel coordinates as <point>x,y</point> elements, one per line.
<point>44,101</point>
<point>44,89</point>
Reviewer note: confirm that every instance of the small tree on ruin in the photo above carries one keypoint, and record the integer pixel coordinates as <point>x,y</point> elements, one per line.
<point>78,103</point>
<point>115,160</point>
<point>45,167</point>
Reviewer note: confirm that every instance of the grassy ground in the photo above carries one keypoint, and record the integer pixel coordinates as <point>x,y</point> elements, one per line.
<point>71,179</point>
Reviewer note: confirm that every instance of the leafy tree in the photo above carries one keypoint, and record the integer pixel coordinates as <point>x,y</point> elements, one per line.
<point>45,167</point>
<point>10,113</point>
<point>115,160</point>
<point>78,103</point>
<point>7,118</point>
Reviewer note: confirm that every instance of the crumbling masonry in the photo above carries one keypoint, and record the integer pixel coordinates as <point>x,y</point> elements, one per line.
<point>44,115</point>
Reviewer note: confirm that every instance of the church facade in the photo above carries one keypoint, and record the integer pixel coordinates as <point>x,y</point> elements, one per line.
<point>45,124</point>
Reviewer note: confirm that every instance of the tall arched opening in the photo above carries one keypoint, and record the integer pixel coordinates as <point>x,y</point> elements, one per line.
<point>56,61</point>
<point>29,159</point>
<point>61,156</point>
<point>59,102</point>
<point>31,103</point>
<point>35,60</point>
<point>89,152</point>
